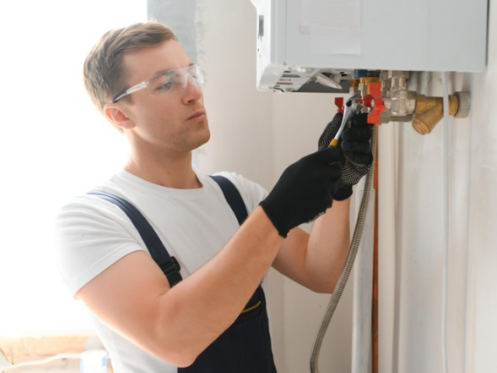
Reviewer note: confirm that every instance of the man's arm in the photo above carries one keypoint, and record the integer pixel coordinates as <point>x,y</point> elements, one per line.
<point>134,298</point>
<point>316,260</point>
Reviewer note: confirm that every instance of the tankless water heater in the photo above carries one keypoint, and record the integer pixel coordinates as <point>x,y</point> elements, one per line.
<point>297,39</point>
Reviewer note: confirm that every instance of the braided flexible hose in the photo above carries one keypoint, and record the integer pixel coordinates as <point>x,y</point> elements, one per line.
<point>354,246</point>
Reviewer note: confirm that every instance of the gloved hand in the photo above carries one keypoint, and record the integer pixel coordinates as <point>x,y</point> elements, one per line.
<point>356,146</point>
<point>304,190</point>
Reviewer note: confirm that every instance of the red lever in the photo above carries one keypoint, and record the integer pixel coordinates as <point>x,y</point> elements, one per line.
<point>375,91</point>
<point>339,104</point>
<point>367,100</point>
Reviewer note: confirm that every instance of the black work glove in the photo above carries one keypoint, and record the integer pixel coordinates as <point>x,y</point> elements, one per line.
<point>303,191</point>
<point>356,146</point>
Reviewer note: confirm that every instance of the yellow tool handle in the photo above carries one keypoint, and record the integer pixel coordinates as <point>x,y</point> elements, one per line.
<point>334,143</point>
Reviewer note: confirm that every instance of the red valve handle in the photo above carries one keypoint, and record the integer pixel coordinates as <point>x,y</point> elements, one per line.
<point>375,92</point>
<point>339,104</point>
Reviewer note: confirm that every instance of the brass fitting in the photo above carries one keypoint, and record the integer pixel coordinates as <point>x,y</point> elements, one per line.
<point>429,110</point>
<point>366,82</point>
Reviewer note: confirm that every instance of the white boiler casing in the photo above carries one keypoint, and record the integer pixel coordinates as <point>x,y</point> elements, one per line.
<point>296,38</point>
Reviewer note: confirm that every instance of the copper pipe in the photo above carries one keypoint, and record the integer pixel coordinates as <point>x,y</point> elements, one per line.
<point>374,313</point>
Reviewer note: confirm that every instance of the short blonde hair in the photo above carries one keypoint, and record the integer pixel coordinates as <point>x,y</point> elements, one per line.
<point>104,72</point>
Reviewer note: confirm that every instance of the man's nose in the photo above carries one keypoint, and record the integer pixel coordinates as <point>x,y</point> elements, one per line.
<point>192,90</point>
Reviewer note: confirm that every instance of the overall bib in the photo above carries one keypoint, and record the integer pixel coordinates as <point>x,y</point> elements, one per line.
<point>245,347</point>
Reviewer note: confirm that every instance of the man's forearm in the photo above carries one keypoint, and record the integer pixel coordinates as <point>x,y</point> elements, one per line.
<point>208,301</point>
<point>328,245</point>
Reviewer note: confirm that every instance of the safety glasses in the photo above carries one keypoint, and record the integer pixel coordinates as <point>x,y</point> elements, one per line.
<point>167,82</point>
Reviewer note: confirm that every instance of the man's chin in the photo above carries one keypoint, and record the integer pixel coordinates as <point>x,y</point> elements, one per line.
<point>204,140</point>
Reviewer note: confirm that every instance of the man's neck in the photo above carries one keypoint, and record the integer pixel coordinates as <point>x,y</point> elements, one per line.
<point>174,173</point>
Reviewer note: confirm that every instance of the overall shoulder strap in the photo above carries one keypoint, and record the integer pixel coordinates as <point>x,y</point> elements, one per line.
<point>233,197</point>
<point>167,263</point>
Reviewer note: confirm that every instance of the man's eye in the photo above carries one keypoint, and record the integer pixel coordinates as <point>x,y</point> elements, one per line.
<point>166,86</point>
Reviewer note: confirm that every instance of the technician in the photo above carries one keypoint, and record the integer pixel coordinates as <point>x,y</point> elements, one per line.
<point>213,318</point>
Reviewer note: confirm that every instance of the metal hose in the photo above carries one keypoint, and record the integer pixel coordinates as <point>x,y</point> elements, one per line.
<point>354,246</point>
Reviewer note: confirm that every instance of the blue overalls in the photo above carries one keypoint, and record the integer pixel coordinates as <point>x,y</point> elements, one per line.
<point>245,347</point>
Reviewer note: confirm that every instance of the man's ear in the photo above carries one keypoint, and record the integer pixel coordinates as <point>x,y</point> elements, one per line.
<point>117,116</point>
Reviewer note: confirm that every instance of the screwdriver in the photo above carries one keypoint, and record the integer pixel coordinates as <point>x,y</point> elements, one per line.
<point>350,107</point>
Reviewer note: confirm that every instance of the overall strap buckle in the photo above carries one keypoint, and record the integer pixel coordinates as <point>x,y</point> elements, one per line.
<point>171,269</point>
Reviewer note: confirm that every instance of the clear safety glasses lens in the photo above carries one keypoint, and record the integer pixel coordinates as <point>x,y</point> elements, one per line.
<point>175,80</point>
<point>167,82</point>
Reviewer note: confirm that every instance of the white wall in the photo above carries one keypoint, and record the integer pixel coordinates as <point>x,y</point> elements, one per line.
<point>259,134</point>
<point>412,243</point>
<point>63,150</point>
<point>481,297</point>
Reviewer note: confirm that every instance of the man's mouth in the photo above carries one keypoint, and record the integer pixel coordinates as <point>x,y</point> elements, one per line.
<point>199,114</point>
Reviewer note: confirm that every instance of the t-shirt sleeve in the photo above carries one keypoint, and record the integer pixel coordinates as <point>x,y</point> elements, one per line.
<point>91,235</point>
<point>252,193</point>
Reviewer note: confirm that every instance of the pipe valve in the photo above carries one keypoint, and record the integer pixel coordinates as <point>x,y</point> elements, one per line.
<point>387,99</point>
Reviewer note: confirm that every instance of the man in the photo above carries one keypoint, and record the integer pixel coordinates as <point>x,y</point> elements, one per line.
<point>214,320</point>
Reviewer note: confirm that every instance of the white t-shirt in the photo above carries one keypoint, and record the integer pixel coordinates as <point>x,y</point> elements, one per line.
<point>193,224</point>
